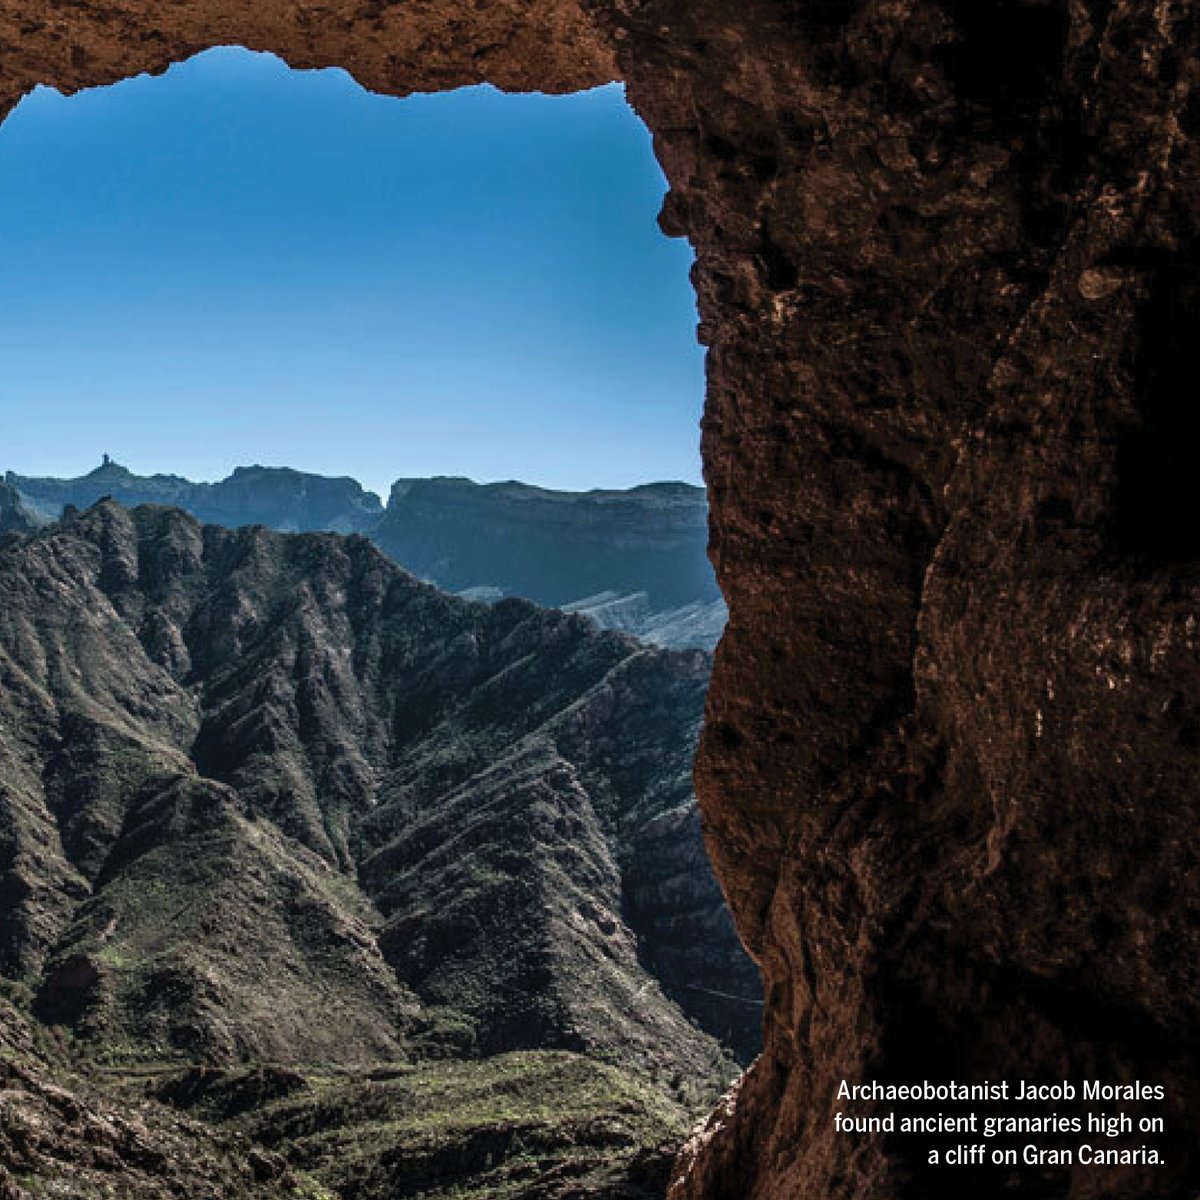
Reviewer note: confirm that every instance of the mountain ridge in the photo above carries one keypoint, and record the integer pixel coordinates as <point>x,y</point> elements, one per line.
<point>188,678</point>
<point>639,553</point>
<point>279,497</point>
<point>271,803</point>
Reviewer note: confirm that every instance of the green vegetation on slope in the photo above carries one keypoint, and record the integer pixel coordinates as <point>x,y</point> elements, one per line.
<point>420,880</point>
<point>518,1126</point>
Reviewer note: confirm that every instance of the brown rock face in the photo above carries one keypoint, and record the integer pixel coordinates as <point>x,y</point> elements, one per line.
<point>948,273</point>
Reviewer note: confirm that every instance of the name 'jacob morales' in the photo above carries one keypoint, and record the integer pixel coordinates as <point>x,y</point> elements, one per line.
<point>1093,1089</point>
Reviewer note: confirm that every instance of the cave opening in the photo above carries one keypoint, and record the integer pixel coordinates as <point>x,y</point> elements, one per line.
<point>501,790</point>
<point>465,287</point>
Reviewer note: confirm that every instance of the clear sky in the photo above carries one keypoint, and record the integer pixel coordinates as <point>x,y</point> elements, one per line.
<point>239,263</point>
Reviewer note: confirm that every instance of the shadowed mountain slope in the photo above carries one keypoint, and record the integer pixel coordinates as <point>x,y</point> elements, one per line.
<point>15,517</point>
<point>269,796</point>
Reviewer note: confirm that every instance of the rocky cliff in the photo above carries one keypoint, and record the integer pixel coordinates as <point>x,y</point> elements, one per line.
<point>553,547</point>
<point>947,270</point>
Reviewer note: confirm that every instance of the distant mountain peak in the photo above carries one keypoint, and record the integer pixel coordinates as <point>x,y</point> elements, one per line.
<point>109,469</point>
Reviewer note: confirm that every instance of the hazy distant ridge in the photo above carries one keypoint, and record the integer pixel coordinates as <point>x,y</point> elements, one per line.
<point>278,497</point>
<point>633,560</point>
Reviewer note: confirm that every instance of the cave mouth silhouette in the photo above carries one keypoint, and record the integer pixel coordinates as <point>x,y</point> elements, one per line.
<point>157,234</point>
<point>859,144</point>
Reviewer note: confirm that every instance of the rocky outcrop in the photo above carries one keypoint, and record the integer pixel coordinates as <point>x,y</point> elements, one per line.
<point>555,548</point>
<point>945,773</point>
<point>947,272</point>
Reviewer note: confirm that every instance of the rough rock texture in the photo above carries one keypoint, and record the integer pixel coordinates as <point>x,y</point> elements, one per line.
<point>948,275</point>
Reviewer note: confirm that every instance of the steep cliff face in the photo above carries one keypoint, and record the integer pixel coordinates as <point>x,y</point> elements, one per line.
<point>947,269</point>
<point>553,547</point>
<point>987,791</point>
<point>14,516</point>
<point>946,767</point>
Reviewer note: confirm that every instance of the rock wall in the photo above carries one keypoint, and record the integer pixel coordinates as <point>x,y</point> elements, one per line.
<point>948,278</point>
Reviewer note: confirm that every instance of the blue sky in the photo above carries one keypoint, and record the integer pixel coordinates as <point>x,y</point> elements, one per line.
<point>239,263</point>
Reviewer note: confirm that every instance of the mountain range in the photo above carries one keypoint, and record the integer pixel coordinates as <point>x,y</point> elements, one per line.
<point>316,881</point>
<point>633,560</point>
